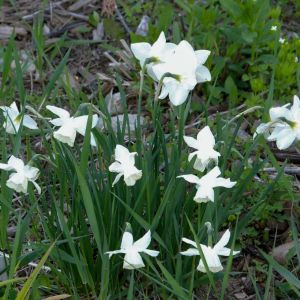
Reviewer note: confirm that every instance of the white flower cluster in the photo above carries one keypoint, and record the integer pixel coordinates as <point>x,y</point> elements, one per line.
<point>14,119</point>
<point>204,154</point>
<point>18,180</point>
<point>284,125</point>
<point>178,67</point>
<point>22,174</point>
<point>204,144</point>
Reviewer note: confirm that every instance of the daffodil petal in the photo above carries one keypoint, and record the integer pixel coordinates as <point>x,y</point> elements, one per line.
<point>38,188</point>
<point>118,177</point>
<point>143,242</point>
<point>285,138</point>
<point>6,167</point>
<point>141,51</point>
<point>127,240</point>
<point>111,253</point>
<point>62,113</point>
<point>29,122</point>
<point>190,252</point>
<point>202,74</point>
<point>191,142</point>
<point>190,242</point>
<point>202,56</point>
<point>205,136</point>
<point>115,167</point>
<point>190,178</point>
<point>223,241</point>
<point>178,96</point>
<point>152,253</point>
<point>224,182</point>
<point>16,163</point>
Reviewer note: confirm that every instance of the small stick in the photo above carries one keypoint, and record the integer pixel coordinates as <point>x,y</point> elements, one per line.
<point>287,170</point>
<point>121,19</point>
<point>72,14</point>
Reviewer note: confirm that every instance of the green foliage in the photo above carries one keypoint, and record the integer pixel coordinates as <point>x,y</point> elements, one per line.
<point>85,216</point>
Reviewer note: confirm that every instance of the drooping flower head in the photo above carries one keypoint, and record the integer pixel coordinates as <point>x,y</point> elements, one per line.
<point>125,166</point>
<point>13,119</point>
<point>132,250</point>
<point>206,184</point>
<point>204,145</point>
<point>211,254</point>
<point>70,126</point>
<point>284,125</point>
<point>18,180</point>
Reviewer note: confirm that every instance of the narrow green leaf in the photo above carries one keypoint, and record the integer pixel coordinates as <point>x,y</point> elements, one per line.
<point>22,295</point>
<point>285,273</point>
<point>177,289</point>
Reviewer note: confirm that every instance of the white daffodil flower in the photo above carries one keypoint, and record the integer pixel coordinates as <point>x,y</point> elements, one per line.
<point>13,119</point>
<point>206,184</point>
<point>284,125</point>
<point>276,114</point>
<point>281,40</point>
<point>124,165</point>
<point>132,250</point>
<point>186,67</point>
<point>274,28</point>
<point>156,52</point>
<point>23,174</point>
<point>211,254</point>
<point>70,126</point>
<point>204,144</point>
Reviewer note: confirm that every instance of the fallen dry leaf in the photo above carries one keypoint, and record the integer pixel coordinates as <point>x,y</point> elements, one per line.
<point>58,297</point>
<point>279,253</point>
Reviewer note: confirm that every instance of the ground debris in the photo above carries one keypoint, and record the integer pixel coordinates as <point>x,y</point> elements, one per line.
<point>6,31</point>
<point>280,252</point>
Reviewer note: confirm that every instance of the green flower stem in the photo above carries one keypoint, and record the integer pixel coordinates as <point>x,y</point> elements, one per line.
<point>158,89</point>
<point>209,233</point>
<point>139,110</point>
